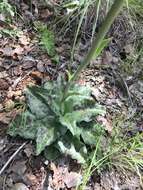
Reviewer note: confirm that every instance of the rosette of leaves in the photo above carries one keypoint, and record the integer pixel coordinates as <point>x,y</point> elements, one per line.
<point>58,125</point>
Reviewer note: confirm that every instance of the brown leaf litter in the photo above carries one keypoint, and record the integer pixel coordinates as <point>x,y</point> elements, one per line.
<point>62,178</point>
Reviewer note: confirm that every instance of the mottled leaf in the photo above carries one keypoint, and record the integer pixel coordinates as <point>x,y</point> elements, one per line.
<point>70,120</point>
<point>71,151</point>
<point>23,126</point>
<point>45,137</point>
<point>51,152</point>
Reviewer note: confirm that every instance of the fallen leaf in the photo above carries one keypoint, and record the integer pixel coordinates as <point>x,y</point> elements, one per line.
<point>18,51</point>
<point>12,52</point>
<point>29,150</point>
<point>107,58</point>
<point>96,93</point>
<point>45,13</point>
<point>6,117</point>
<point>32,179</point>
<point>17,71</point>
<point>24,40</point>
<point>63,178</point>
<point>105,122</point>
<point>17,93</point>
<point>19,167</point>
<point>9,105</point>
<point>28,62</point>
<point>129,49</point>
<point>19,186</point>
<point>57,182</point>
<point>7,51</point>
<point>40,66</point>
<point>36,75</point>
<point>72,179</point>
<point>3,74</point>
<point>3,84</point>
<point>3,143</point>
<point>1,107</point>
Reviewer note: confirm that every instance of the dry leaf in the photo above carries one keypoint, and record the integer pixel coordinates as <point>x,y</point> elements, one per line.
<point>18,50</point>
<point>10,52</point>
<point>63,178</point>
<point>29,150</point>
<point>6,117</point>
<point>3,74</point>
<point>9,105</point>
<point>7,51</point>
<point>58,177</point>
<point>72,179</point>
<point>105,122</point>
<point>28,62</point>
<point>24,40</point>
<point>41,66</point>
<point>107,58</point>
<point>20,186</point>
<point>3,84</point>
<point>45,13</point>
<point>19,167</point>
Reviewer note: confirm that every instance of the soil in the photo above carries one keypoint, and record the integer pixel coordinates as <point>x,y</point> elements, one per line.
<point>23,62</point>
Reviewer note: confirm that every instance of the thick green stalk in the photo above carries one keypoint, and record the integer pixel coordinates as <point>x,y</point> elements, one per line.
<point>112,14</point>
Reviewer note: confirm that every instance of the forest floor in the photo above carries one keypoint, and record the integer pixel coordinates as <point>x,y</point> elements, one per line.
<point>116,78</point>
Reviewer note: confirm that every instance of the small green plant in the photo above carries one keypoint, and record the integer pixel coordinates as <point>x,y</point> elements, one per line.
<point>13,33</point>
<point>131,64</point>
<point>47,40</point>
<point>135,7</point>
<point>6,9</point>
<point>65,126</point>
<point>61,116</point>
<point>128,154</point>
<point>120,151</point>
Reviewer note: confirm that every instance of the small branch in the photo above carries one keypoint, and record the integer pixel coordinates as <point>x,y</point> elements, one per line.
<point>11,158</point>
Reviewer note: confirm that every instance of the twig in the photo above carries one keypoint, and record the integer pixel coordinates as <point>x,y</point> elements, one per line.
<point>11,158</point>
<point>43,178</point>
<point>3,187</point>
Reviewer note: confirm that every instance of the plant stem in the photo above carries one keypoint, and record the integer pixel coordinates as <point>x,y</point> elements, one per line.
<point>112,14</point>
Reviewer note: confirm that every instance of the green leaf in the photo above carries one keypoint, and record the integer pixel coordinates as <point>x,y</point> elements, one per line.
<point>71,151</point>
<point>102,45</point>
<point>70,120</point>
<point>79,94</point>
<point>23,126</point>
<point>35,104</point>
<point>90,135</point>
<point>38,101</point>
<point>73,147</point>
<point>51,153</point>
<point>45,137</point>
